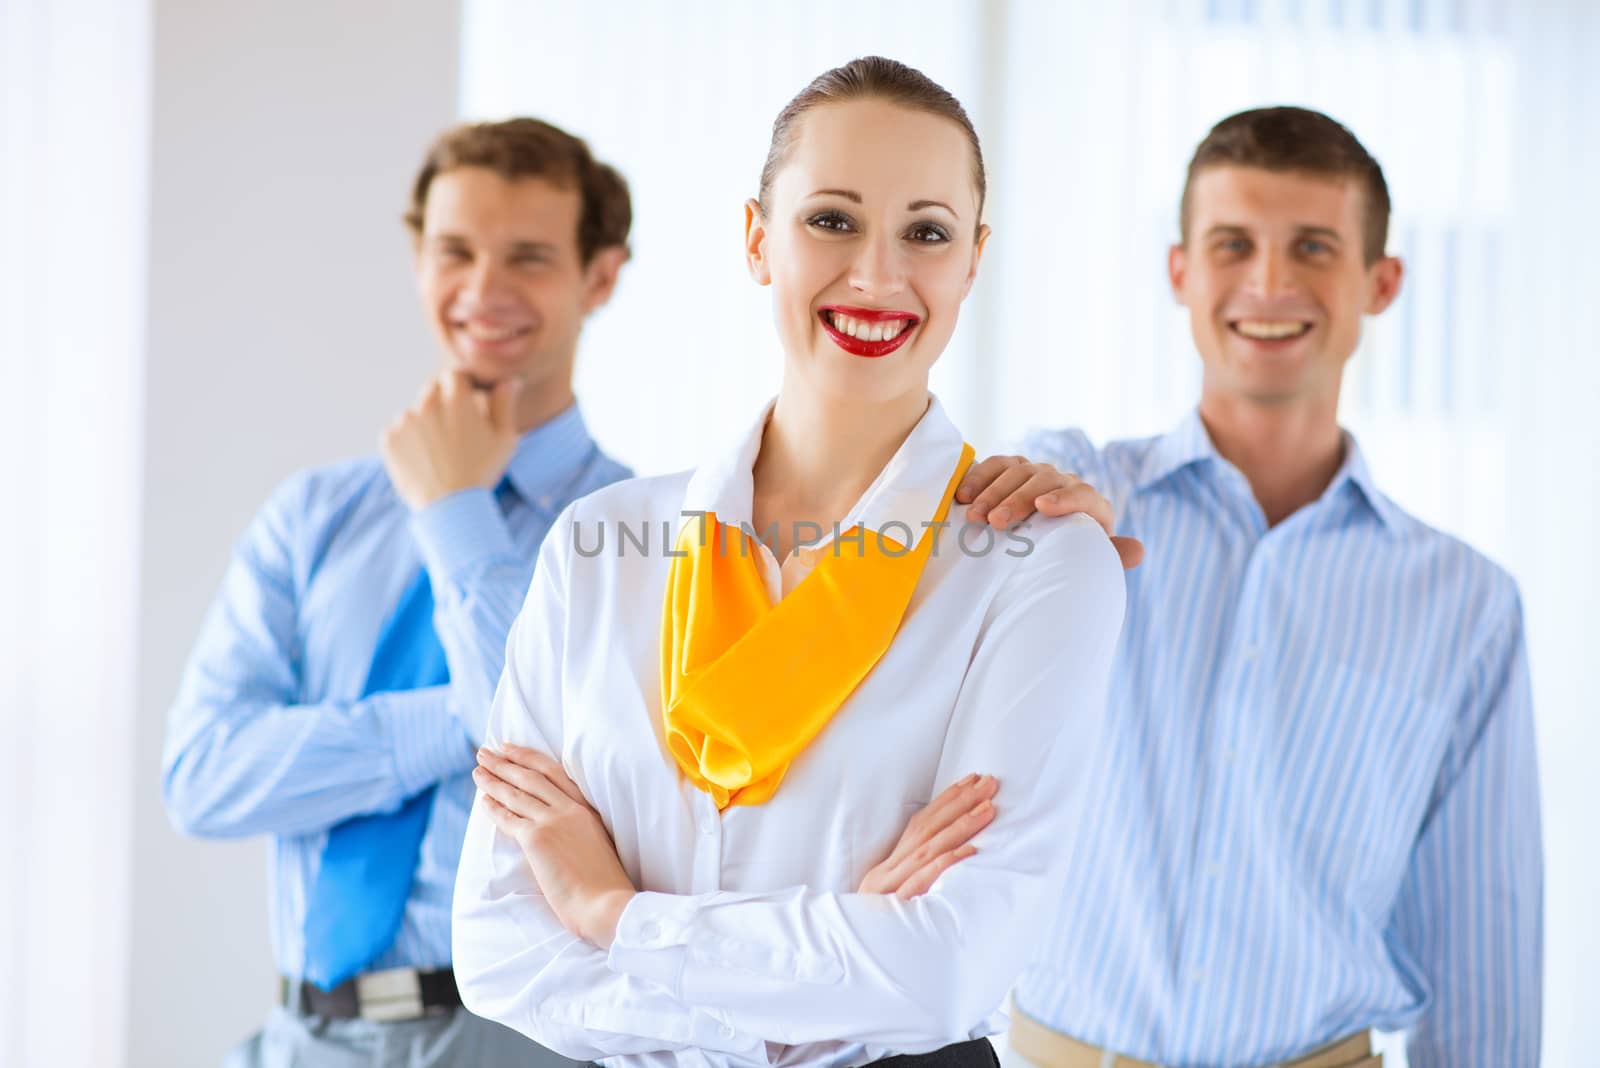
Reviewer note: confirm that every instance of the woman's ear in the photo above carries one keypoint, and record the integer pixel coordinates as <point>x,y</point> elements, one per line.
<point>755,243</point>
<point>977,254</point>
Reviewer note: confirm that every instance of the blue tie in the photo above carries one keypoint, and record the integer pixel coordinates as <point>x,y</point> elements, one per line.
<point>360,894</point>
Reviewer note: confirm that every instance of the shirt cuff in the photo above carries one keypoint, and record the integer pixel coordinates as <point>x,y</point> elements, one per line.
<point>428,742</point>
<point>650,939</point>
<point>457,531</point>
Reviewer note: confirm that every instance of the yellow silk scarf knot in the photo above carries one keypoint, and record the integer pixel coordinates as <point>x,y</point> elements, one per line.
<point>746,684</point>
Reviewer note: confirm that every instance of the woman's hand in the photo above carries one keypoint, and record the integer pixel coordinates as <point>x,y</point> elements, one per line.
<point>1003,490</point>
<point>530,798</point>
<point>936,838</point>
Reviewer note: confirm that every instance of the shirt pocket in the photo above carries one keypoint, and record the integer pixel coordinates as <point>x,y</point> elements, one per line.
<point>1355,755</point>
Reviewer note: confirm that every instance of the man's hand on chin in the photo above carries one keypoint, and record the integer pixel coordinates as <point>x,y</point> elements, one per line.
<point>454,437</point>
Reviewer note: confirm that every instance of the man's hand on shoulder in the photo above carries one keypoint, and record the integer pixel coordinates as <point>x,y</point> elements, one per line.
<point>454,437</point>
<point>1004,490</point>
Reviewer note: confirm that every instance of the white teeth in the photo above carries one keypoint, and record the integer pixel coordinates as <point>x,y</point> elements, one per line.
<point>484,333</point>
<point>1270,329</point>
<point>886,330</point>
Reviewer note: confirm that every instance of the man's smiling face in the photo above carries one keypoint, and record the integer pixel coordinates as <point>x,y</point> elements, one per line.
<point>1276,280</point>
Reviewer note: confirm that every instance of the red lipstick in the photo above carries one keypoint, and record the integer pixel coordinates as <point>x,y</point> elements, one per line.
<point>856,346</point>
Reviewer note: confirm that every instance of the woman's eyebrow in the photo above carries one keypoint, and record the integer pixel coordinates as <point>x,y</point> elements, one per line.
<point>915,205</point>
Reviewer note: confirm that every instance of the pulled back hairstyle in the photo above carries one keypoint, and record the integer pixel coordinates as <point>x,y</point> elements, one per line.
<point>869,78</point>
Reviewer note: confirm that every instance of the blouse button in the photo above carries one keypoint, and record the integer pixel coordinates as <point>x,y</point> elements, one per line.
<point>650,932</point>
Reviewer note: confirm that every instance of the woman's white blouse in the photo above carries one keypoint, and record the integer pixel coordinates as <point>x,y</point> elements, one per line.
<point>749,944</point>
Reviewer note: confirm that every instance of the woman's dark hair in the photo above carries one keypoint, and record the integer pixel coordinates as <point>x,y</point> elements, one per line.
<point>870,78</point>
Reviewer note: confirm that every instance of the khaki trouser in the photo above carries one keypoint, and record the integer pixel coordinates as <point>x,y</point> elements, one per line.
<point>1047,1048</point>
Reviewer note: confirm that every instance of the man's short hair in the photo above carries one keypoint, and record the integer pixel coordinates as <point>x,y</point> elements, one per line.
<point>1302,141</point>
<point>532,148</point>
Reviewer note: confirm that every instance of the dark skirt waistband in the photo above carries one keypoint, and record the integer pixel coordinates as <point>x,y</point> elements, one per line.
<point>974,1053</point>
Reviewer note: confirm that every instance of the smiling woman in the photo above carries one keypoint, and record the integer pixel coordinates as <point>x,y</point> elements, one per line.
<point>674,855</point>
<point>894,248</point>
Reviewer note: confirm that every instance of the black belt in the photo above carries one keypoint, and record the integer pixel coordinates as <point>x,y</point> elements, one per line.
<point>974,1053</point>
<point>393,994</point>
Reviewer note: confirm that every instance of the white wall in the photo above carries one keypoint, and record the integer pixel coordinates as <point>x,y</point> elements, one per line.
<point>283,331</point>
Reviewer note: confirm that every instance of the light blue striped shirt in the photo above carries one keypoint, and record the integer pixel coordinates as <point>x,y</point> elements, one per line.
<point>270,734</point>
<point>1317,809</point>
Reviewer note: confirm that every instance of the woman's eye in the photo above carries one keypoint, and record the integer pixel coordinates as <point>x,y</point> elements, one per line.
<point>929,233</point>
<point>831,220</point>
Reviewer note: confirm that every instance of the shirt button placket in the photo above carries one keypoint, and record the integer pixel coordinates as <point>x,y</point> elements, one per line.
<point>1248,642</point>
<point>707,846</point>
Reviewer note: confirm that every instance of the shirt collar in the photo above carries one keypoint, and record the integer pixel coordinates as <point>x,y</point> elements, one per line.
<point>1188,443</point>
<point>549,457</point>
<point>1354,470</point>
<point>906,492</point>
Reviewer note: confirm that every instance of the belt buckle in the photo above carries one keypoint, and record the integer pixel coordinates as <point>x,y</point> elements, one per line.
<point>291,995</point>
<point>390,995</point>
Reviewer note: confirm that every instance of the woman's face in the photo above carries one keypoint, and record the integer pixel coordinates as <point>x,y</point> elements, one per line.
<point>870,244</point>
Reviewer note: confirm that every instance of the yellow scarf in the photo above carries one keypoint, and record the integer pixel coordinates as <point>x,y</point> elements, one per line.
<point>745,684</point>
